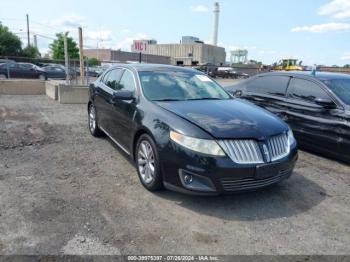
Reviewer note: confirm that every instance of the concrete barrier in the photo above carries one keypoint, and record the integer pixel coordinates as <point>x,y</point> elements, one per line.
<point>51,89</point>
<point>22,87</point>
<point>73,94</point>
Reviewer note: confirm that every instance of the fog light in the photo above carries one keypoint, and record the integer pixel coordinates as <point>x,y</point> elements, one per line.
<point>188,179</point>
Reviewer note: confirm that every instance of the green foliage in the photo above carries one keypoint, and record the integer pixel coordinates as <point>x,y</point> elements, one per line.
<point>57,47</point>
<point>94,61</point>
<point>31,52</point>
<point>10,44</point>
<point>347,66</point>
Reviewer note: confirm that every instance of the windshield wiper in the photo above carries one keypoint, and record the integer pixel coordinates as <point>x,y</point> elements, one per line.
<point>205,98</point>
<point>168,99</point>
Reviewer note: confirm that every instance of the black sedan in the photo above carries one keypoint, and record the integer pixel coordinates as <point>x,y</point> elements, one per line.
<point>21,70</point>
<point>186,133</point>
<point>58,72</point>
<point>317,107</point>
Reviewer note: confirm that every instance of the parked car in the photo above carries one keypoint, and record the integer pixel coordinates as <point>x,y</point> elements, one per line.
<point>56,72</point>
<point>227,72</point>
<point>186,133</point>
<point>22,70</point>
<point>317,107</point>
<point>5,61</point>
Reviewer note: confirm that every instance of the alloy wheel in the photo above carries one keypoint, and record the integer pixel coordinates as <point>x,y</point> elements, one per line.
<point>146,162</point>
<point>92,118</point>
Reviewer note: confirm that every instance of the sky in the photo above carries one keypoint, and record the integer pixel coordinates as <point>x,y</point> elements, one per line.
<point>314,31</point>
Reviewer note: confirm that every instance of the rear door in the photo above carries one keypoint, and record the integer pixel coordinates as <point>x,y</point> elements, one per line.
<point>314,126</point>
<point>26,71</point>
<point>268,91</point>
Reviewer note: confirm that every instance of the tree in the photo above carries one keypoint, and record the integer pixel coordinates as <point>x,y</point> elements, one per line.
<point>347,66</point>
<point>10,44</point>
<point>94,61</point>
<point>31,52</point>
<point>57,47</point>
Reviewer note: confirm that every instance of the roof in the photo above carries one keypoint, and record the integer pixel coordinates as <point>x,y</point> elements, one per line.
<point>308,74</point>
<point>154,67</point>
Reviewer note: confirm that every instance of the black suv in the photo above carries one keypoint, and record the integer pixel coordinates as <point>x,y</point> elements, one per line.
<point>316,106</point>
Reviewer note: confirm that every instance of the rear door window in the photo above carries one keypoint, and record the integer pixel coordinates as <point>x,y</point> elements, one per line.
<point>271,85</point>
<point>306,90</point>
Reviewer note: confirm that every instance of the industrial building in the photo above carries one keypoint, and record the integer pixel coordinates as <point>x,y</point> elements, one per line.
<point>109,55</point>
<point>191,50</point>
<point>189,54</point>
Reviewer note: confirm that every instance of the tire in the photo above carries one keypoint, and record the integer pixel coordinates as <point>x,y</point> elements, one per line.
<point>42,77</point>
<point>146,156</point>
<point>92,122</point>
<point>3,76</point>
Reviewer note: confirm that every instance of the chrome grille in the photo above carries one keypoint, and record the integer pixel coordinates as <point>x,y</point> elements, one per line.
<point>231,184</point>
<point>242,151</point>
<point>278,146</point>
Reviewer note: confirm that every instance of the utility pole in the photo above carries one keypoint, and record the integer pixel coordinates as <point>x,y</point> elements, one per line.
<point>28,37</point>
<point>35,41</point>
<point>81,55</point>
<point>66,57</point>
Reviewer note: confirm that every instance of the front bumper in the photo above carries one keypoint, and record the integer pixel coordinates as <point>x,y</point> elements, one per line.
<point>219,175</point>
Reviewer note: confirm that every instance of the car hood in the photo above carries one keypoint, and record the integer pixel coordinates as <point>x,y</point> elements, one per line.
<point>232,118</point>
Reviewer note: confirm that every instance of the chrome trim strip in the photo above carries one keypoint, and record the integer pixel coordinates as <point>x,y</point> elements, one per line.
<point>115,141</point>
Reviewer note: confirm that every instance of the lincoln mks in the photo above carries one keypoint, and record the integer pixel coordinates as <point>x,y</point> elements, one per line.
<point>186,133</point>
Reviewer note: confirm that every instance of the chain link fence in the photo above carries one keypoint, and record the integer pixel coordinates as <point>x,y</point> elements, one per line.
<point>42,68</point>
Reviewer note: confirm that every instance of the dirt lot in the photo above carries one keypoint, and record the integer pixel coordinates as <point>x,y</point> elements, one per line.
<point>64,192</point>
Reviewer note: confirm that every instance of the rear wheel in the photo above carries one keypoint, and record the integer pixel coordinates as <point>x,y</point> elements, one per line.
<point>93,126</point>
<point>147,163</point>
<point>3,76</point>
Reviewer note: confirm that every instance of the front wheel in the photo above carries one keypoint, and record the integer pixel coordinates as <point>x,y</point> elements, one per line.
<point>147,162</point>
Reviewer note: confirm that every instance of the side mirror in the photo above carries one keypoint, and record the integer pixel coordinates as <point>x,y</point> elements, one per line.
<point>326,103</point>
<point>123,95</point>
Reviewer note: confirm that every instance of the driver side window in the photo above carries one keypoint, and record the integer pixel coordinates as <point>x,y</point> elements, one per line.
<point>127,82</point>
<point>111,79</point>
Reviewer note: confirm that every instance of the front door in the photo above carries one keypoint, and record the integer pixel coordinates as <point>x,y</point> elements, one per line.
<point>123,112</point>
<point>103,99</point>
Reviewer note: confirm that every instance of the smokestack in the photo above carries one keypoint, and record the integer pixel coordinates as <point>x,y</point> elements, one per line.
<point>216,23</point>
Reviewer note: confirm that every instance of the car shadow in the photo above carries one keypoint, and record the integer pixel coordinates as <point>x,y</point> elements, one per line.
<point>289,198</point>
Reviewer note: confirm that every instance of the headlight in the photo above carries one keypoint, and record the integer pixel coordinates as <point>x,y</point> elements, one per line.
<point>291,139</point>
<point>204,146</point>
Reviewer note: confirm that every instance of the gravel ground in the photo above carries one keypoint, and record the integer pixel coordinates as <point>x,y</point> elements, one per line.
<point>64,192</point>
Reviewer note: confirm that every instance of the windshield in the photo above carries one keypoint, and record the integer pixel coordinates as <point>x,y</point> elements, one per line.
<point>179,85</point>
<point>341,87</point>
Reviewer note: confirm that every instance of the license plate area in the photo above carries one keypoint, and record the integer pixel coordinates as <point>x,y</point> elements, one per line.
<point>266,171</point>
